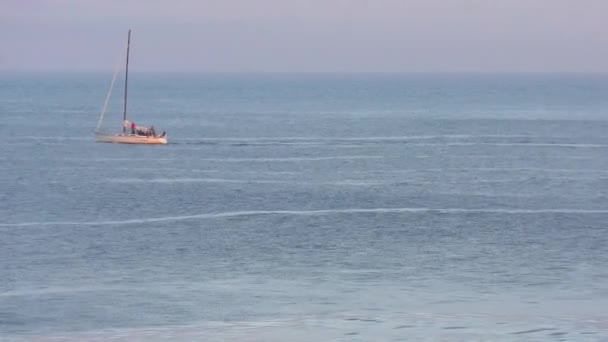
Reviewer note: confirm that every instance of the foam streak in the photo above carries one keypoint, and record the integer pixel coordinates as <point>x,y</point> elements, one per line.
<point>310,213</point>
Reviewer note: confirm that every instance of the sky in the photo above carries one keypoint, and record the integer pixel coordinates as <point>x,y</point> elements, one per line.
<point>306,35</point>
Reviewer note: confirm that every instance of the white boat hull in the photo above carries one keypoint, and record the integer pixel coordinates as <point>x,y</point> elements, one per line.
<point>131,139</point>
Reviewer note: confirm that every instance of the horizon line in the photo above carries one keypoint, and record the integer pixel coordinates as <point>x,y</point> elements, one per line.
<point>336,72</point>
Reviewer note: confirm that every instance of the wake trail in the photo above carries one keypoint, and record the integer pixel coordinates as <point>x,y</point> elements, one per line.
<point>246,213</point>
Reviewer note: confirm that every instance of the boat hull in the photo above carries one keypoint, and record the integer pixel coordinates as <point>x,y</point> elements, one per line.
<point>131,139</point>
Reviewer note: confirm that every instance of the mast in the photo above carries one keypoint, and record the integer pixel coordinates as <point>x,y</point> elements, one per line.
<point>124,116</point>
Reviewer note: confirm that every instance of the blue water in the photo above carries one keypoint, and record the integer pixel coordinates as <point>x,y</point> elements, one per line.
<point>322,207</point>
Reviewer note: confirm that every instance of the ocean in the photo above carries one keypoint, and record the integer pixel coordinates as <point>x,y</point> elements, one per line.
<point>306,207</point>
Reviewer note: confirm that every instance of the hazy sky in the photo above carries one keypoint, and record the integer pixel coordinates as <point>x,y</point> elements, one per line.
<point>307,35</point>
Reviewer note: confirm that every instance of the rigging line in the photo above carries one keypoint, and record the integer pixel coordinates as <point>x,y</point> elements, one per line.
<point>105,103</point>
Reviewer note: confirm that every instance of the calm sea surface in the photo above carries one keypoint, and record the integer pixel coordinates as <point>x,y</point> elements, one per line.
<point>306,208</point>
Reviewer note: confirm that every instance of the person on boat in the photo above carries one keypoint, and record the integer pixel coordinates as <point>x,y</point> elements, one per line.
<point>152,132</point>
<point>132,127</point>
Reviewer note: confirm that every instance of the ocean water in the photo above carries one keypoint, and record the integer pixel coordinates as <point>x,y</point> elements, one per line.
<point>329,207</point>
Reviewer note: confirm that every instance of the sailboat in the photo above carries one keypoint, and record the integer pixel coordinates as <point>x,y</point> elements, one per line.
<point>131,133</point>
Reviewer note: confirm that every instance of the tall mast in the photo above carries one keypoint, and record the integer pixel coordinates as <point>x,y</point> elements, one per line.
<point>124,117</point>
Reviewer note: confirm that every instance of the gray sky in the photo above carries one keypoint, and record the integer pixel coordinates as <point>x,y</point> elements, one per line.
<point>307,35</point>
